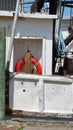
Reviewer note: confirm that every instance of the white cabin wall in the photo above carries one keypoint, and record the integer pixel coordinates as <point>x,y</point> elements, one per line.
<point>29,28</point>
<point>58,97</point>
<point>48,57</point>
<point>38,29</point>
<point>46,94</point>
<point>35,28</point>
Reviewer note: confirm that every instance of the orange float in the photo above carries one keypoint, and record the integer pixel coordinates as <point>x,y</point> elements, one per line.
<point>37,65</point>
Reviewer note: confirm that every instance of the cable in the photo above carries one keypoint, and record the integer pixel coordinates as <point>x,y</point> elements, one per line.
<point>70,24</point>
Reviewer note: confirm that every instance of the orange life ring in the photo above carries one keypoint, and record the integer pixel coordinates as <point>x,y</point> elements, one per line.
<point>38,66</point>
<point>18,66</point>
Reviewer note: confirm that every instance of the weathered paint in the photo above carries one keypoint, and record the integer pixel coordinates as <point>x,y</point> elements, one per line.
<point>30,29</point>
<point>46,94</point>
<point>2,73</point>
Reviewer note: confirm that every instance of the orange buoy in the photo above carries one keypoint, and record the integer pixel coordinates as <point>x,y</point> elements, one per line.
<point>18,66</point>
<point>20,63</point>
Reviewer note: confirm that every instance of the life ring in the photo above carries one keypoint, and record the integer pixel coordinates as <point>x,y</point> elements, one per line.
<point>37,65</point>
<point>18,66</point>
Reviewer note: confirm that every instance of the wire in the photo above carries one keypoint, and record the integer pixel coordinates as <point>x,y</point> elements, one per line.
<point>70,24</point>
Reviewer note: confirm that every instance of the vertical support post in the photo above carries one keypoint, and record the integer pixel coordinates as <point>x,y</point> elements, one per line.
<point>12,34</point>
<point>2,73</point>
<point>43,56</point>
<point>58,20</point>
<point>22,6</point>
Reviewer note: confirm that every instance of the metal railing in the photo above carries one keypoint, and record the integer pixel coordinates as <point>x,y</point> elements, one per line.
<point>7,5</point>
<point>24,6</point>
<point>27,6</point>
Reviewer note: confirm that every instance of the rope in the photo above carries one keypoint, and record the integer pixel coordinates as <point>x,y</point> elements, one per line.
<point>61,48</point>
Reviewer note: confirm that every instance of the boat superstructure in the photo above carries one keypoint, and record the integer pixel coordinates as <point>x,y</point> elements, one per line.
<point>36,38</point>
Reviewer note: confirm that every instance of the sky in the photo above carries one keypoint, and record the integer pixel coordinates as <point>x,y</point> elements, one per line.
<point>67,12</point>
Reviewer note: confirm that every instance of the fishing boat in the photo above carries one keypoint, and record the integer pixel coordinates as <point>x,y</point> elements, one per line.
<point>39,67</point>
